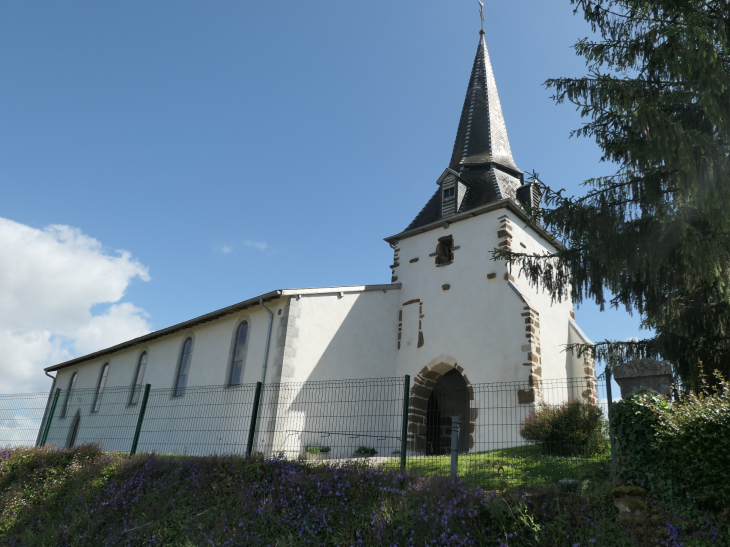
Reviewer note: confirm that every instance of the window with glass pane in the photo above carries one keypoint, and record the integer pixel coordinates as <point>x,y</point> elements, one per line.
<point>100,387</point>
<point>182,376</point>
<point>71,386</point>
<point>239,356</point>
<point>138,378</point>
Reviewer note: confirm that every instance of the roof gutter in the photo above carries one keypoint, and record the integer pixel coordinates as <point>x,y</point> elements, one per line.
<point>170,330</point>
<point>273,295</point>
<point>45,412</point>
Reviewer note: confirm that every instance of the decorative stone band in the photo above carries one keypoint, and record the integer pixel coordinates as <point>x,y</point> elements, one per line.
<point>505,232</point>
<point>533,358</point>
<point>396,263</point>
<point>423,384</point>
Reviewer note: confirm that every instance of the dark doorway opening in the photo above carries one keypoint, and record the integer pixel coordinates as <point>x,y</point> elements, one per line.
<point>449,397</point>
<point>433,426</point>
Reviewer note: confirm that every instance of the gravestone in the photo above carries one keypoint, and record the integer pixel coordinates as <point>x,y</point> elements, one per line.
<point>644,373</point>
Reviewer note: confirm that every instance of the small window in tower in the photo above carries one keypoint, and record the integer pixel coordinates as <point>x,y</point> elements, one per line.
<point>445,251</point>
<point>449,192</point>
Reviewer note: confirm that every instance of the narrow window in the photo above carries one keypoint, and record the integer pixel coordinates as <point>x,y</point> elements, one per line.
<point>445,251</point>
<point>239,355</point>
<point>138,378</point>
<point>100,387</point>
<point>74,430</point>
<point>71,386</point>
<point>184,367</point>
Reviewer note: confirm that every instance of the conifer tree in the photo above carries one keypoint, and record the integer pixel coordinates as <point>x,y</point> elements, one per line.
<point>654,238</point>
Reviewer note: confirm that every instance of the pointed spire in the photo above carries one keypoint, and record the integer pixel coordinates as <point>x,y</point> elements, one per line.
<point>482,135</point>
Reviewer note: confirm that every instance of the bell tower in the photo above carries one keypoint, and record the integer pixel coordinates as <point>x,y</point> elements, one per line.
<point>460,310</point>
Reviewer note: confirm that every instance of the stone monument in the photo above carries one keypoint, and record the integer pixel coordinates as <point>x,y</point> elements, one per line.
<point>644,373</point>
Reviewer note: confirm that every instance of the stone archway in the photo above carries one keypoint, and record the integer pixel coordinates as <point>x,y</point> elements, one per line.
<point>439,391</point>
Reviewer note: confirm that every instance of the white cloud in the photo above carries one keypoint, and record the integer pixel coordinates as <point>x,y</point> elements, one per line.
<point>49,281</point>
<point>260,245</point>
<point>225,249</point>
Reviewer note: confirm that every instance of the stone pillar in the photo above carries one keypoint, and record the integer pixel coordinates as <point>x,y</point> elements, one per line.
<point>646,374</point>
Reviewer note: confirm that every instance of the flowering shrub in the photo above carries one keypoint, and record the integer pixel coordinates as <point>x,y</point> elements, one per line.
<point>571,428</point>
<point>365,451</point>
<point>82,496</point>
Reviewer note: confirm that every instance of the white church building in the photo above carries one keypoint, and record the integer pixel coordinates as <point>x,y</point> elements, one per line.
<point>449,309</point>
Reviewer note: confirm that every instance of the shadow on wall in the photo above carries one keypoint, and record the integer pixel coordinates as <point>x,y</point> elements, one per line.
<point>342,414</point>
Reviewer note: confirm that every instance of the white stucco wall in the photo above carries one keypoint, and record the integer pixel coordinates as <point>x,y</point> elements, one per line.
<point>477,321</point>
<point>347,336</point>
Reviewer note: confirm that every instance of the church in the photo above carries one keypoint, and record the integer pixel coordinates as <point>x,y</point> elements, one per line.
<point>450,313</point>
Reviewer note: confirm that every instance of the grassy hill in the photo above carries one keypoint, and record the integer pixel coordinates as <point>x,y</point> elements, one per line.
<point>83,496</point>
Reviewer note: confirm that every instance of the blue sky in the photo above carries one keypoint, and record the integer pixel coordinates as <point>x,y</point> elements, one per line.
<point>233,148</point>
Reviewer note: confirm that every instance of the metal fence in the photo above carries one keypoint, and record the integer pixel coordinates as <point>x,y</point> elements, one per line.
<point>387,420</point>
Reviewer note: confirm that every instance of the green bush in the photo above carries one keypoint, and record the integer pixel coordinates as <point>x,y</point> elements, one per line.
<point>365,451</point>
<point>678,451</point>
<point>571,428</point>
<point>634,421</point>
<point>317,449</point>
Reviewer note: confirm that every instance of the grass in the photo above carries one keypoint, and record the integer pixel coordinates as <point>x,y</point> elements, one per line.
<point>82,496</point>
<point>522,466</point>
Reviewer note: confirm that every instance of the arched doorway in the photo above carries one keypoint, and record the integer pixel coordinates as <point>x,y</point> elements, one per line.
<point>449,397</point>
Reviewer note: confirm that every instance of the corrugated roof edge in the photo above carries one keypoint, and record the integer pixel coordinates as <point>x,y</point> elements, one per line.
<point>273,295</point>
<point>489,207</point>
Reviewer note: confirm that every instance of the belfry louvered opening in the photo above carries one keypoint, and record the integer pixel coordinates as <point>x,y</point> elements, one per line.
<point>448,196</point>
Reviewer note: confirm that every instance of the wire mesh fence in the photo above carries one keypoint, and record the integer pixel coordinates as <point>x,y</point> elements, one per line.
<point>202,421</point>
<point>20,418</point>
<point>332,420</point>
<point>509,434</point>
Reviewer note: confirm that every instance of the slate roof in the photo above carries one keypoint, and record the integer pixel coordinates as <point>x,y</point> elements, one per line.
<point>482,155</point>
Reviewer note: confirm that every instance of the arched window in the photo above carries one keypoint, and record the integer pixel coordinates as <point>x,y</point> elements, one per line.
<point>138,378</point>
<point>100,387</point>
<point>73,430</point>
<point>239,354</point>
<point>183,368</point>
<point>67,399</point>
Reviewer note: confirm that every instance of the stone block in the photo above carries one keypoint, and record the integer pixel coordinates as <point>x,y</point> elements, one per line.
<point>525,396</point>
<point>644,374</point>
<point>421,392</point>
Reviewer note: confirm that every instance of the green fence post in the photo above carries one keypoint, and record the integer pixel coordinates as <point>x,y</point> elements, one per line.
<point>50,417</point>
<point>140,419</point>
<point>404,425</point>
<point>610,423</point>
<point>254,417</point>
